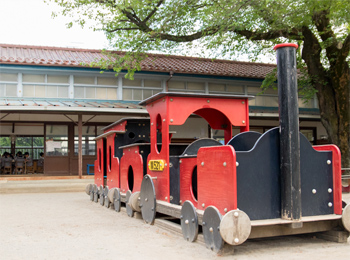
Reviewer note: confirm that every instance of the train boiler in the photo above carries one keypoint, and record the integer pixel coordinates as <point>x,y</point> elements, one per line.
<point>256,185</point>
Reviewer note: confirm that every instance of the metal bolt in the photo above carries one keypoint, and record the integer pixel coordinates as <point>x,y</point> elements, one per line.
<point>171,197</point>
<point>203,205</point>
<point>236,214</point>
<point>330,204</point>
<point>211,229</point>
<point>225,210</point>
<point>242,102</point>
<point>243,122</point>
<point>314,191</point>
<point>146,199</point>
<point>236,240</point>
<point>180,161</point>
<point>166,165</point>
<point>163,100</point>
<point>141,151</point>
<point>330,190</point>
<point>329,162</point>
<point>180,201</point>
<point>181,217</point>
<point>135,151</point>
<point>202,163</point>
<point>166,198</point>
<point>224,164</point>
<point>237,164</point>
<point>151,123</point>
<point>192,220</point>
<point>208,101</point>
<point>163,120</point>
<point>171,100</point>
<point>186,221</point>
<point>171,120</point>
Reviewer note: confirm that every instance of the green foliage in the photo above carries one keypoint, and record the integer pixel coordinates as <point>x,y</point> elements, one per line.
<point>214,29</point>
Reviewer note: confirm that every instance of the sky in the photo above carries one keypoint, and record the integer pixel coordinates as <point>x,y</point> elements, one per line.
<point>29,22</point>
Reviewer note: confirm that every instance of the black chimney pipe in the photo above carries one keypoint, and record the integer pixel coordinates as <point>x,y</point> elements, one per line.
<point>289,131</point>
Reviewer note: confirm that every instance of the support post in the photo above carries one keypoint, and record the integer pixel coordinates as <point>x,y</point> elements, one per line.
<point>289,131</point>
<point>80,145</point>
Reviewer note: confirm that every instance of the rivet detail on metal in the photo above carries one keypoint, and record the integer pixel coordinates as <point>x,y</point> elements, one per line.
<point>243,122</point>
<point>166,198</point>
<point>202,163</point>
<point>314,191</point>
<point>186,221</point>
<point>330,190</point>
<point>208,101</point>
<point>237,164</point>
<point>203,205</point>
<point>236,240</point>
<point>171,120</point>
<point>329,162</point>
<point>224,164</point>
<point>171,100</point>
<point>225,210</point>
<point>235,214</point>
<point>330,204</point>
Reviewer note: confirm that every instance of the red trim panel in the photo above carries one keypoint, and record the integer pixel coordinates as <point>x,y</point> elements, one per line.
<point>217,180</point>
<point>337,187</point>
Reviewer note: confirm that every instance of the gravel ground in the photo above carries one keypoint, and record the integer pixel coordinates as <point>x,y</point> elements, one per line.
<point>69,226</point>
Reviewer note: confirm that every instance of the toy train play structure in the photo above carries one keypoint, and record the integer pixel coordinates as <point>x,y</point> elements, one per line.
<point>256,185</point>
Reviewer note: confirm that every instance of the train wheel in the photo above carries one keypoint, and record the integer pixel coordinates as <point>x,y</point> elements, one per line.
<point>235,227</point>
<point>211,229</point>
<point>129,209</point>
<point>189,221</point>
<point>116,200</point>
<point>102,197</point>
<point>346,217</point>
<point>88,189</point>
<point>96,195</point>
<point>92,192</point>
<point>134,201</point>
<point>107,201</point>
<point>148,200</point>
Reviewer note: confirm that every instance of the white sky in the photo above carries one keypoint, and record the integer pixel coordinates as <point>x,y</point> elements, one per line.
<point>29,22</point>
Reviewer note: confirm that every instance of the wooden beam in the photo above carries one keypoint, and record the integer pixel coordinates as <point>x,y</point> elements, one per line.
<point>80,143</point>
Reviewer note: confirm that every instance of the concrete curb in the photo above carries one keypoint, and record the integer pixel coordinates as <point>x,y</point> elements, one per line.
<point>44,186</point>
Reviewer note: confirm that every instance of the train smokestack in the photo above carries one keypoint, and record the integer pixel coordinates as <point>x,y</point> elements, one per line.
<point>289,131</point>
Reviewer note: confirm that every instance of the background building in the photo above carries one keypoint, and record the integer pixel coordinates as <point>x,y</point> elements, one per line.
<point>46,93</point>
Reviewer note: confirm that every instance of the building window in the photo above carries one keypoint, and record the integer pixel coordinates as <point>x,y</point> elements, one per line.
<point>184,86</point>
<point>220,88</point>
<point>56,140</point>
<point>140,89</point>
<point>89,144</point>
<point>8,90</point>
<point>34,145</point>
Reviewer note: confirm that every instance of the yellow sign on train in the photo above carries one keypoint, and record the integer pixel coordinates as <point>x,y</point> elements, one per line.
<point>156,165</point>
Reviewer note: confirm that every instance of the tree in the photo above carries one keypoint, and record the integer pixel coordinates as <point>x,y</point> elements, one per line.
<point>227,27</point>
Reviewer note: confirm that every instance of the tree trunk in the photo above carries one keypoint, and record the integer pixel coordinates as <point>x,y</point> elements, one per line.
<point>334,104</point>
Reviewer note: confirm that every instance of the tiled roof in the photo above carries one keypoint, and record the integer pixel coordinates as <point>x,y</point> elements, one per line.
<point>70,57</point>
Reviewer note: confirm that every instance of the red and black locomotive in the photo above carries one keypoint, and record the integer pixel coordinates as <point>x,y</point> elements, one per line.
<point>256,185</point>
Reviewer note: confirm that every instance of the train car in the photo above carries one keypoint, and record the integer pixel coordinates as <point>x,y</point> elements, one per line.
<point>256,185</point>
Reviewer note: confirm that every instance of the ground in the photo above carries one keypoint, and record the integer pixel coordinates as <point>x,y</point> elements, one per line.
<point>69,226</point>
